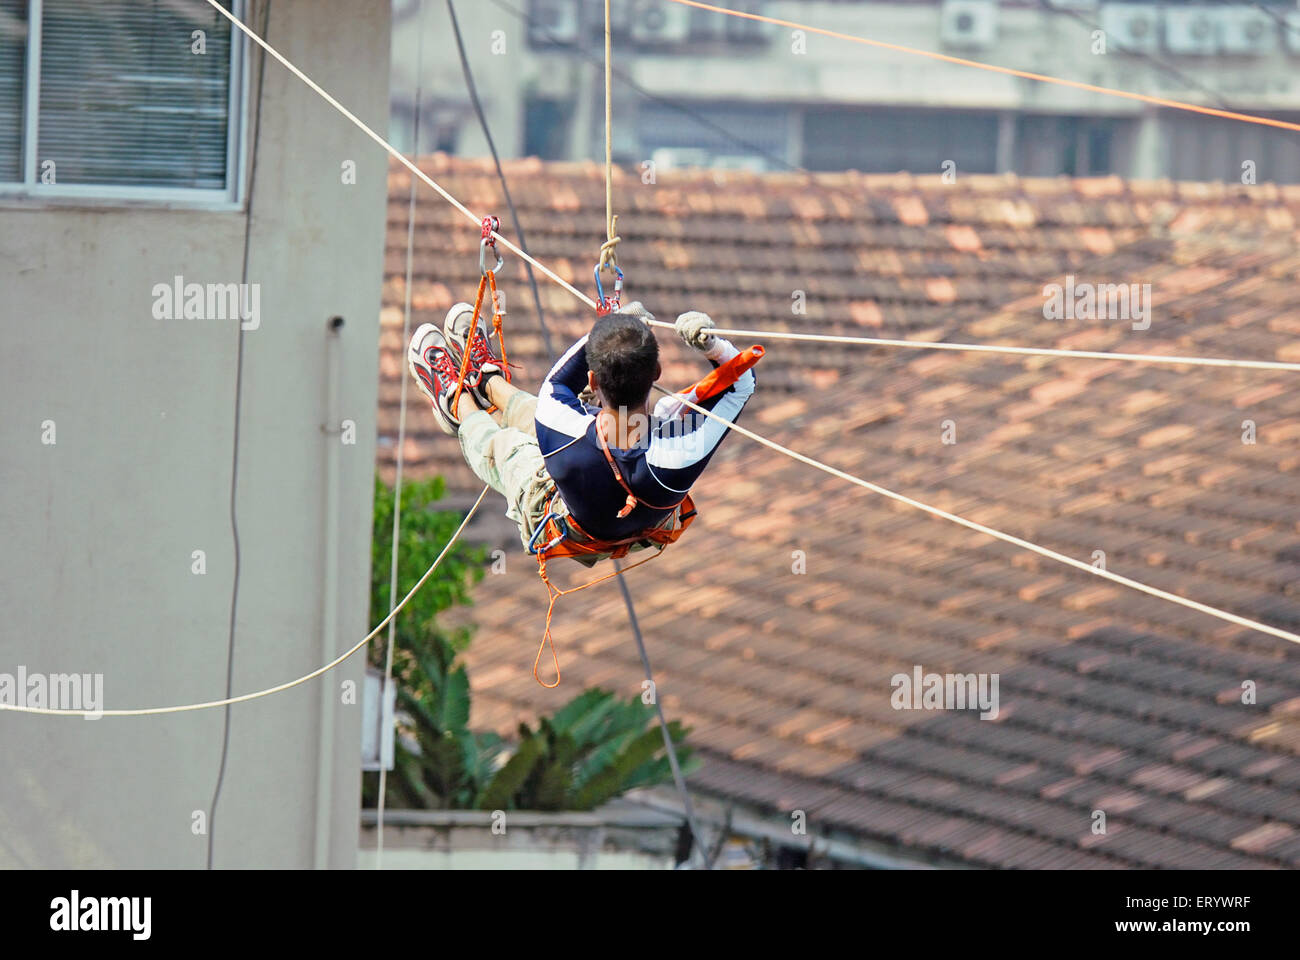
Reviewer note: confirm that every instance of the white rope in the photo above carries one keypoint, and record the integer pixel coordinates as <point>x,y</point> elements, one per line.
<point>395,153</point>
<point>1005,537</point>
<point>991,348</point>
<point>185,707</point>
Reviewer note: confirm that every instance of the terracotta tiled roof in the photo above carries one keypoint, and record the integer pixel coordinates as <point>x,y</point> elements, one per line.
<point>1109,700</point>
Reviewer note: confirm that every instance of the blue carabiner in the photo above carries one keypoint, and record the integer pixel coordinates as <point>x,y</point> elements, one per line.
<point>606,306</point>
<point>532,541</point>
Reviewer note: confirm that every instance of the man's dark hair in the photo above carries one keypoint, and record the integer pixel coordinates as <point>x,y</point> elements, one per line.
<point>624,356</point>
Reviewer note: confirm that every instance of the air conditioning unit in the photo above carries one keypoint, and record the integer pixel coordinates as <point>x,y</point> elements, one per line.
<point>740,30</point>
<point>968,24</point>
<point>1131,26</point>
<point>675,158</point>
<point>1246,32</point>
<point>1192,31</point>
<point>660,22</point>
<point>553,22</point>
<point>1292,32</point>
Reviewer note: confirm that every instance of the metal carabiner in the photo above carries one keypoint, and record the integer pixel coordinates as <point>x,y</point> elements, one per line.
<point>607,306</point>
<point>541,527</point>
<point>490,226</point>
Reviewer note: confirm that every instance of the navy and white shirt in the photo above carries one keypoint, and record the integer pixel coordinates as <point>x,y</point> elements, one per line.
<point>659,471</point>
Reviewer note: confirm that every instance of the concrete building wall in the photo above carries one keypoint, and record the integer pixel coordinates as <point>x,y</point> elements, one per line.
<point>814,71</point>
<point>100,527</point>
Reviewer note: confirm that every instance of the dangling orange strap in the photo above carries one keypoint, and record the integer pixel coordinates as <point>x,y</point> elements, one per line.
<point>473,331</point>
<point>562,545</point>
<point>555,594</point>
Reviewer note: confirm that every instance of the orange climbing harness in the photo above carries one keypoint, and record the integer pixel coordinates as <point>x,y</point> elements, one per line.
<point>561,536</point>
<point>487,281</point>
<point>565,538</point>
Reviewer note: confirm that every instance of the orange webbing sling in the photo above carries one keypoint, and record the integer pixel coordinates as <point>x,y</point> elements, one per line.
<point>487,281</point>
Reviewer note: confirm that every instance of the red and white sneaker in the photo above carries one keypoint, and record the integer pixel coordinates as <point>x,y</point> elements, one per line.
<point>435,365</point>
<point>482,361</point>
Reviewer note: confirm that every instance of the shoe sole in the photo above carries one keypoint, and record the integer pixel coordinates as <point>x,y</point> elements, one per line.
<point>448,426</point>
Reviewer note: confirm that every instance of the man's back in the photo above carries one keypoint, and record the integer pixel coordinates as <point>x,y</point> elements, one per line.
<point>659,470</point>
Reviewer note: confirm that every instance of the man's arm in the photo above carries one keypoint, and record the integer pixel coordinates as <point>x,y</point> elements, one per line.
<point>558,406</point>
<point>688,446</point>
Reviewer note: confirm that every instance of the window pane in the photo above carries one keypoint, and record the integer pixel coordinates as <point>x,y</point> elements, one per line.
<point>721,134</point>
<point>125,99</point>
<point>885,140</point>
<point>13,64</point>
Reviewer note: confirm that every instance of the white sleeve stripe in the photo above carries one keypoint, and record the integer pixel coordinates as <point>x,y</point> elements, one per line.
<point>686,450</point>
<point>558,416</point>
<point>555,414</point>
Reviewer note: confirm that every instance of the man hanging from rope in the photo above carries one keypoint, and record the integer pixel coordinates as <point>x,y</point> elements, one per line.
<point>587,456</point>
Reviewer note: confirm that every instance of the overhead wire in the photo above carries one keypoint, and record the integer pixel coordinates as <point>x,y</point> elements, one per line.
<point>234,453</point>
<point>1008,71</point>
<point>1156,358</point>
<point>674,105</point>
<point>1165,67</point>
<point>501,176</point>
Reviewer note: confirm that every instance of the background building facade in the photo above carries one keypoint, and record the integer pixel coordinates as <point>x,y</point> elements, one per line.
<point>698,88</point>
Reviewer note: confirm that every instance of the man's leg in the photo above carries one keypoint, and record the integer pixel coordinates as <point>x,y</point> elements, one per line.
<point>518,407</point>
<point>507,459</point>
<point>477,432</point>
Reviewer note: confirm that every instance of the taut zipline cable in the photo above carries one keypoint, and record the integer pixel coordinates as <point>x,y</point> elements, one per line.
<point>990,531</point>
<point>996,348</point>
<point>1009,71</point>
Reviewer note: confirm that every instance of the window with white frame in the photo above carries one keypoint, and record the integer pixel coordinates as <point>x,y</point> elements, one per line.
<point>120,99</point>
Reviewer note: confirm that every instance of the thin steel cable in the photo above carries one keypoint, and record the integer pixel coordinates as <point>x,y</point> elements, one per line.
<point>990,531</point>
<point>688,809</point>
<point>995,348</point>
<point>505,187</point>
<point>608,255</point>
<point>609,132</point>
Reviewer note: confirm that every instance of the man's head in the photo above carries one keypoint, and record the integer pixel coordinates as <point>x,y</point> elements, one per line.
<point>623,356</point>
